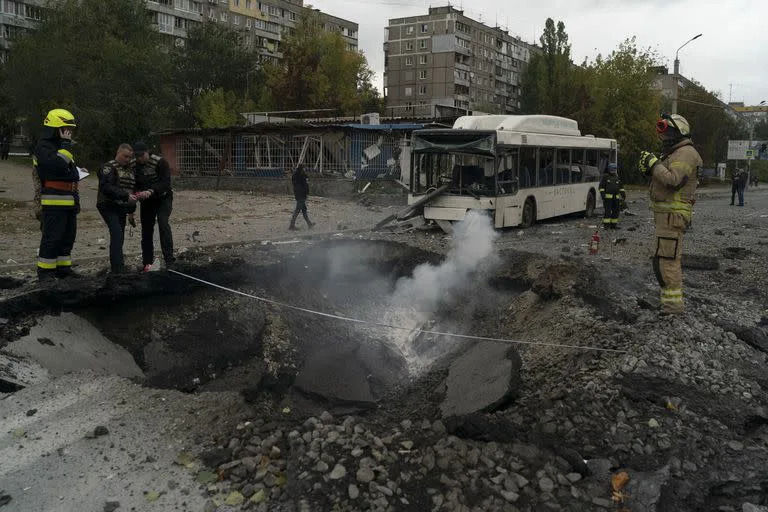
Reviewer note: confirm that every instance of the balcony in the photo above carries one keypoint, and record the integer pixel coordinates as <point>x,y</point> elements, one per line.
<point>462,50</point>
<point>461,81</point>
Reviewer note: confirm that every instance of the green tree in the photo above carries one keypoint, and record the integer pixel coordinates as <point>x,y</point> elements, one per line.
<point>217,108</point>
<point>711,125</point>
<point>101,59</point>
<point>8,111</point>
<point>619,103</point>
<point>317,71</point>
<point>215,56</point>
<point>547,84</point>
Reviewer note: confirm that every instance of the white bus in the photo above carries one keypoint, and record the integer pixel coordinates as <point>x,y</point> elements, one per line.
<point>522,168</point>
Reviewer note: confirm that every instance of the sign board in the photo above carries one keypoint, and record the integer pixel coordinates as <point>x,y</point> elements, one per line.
<point>747,150</point>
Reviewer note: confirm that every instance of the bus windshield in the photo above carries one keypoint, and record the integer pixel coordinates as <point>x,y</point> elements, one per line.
<point>469,174</point>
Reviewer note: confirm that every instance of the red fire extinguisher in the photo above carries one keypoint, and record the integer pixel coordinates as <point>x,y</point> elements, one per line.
<point>594,243</point>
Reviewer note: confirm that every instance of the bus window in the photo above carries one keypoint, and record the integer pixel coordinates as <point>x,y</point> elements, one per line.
<point>578,162</point>
<point>563,169</point>
<point>591,171</point>
<point>507,172</point>
<point>605,158</point>
<point>546,167</point>
<point>527,167</point>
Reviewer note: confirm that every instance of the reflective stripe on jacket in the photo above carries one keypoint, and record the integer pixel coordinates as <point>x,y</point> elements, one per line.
<point>674,180</point>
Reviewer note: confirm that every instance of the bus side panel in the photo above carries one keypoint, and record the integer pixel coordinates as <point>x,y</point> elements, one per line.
<point>507,212</point>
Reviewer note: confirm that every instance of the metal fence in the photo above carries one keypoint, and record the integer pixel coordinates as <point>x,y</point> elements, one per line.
<point>351,153</point>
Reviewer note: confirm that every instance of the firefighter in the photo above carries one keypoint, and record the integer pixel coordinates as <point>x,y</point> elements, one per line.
<point>613,194</point>
<point>672,195</point>
<point>153,183</point>
<point>116,200</point>
<point>59,199</point>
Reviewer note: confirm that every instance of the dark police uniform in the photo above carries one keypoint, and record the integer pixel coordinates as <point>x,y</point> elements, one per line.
<point>116,183</point>
<point>155,175</point>
<point>59,206</point>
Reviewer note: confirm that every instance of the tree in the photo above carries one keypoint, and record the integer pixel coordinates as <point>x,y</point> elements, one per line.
<point>318,71</point>
<point>620,103</point>
<point>711,125</point>
<point>214,57</point>
<point>217,108</point>
<point>547,83</point>
<point>8,111</point>
<point>104,61</point>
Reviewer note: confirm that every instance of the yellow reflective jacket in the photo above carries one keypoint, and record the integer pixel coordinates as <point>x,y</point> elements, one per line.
<point>674,180</point>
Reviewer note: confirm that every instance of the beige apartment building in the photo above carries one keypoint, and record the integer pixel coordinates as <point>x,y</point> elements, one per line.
<point>444,62</point>
<point>264,23</point>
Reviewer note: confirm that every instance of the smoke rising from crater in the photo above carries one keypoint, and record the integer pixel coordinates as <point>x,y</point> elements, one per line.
<point>416,299</point>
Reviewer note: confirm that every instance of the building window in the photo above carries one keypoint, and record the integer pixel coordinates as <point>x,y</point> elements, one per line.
<point>424,28</point>
<point>247,4</point>
<point>409,46</point>
<point>236,19</point>
<point>291,15</point>
<point>422,59</point>
<point>248,23</point>
<point>423,74</point>
<point>409,30</point>
<point>408,91</point>
<point>223,16</point>
<point>422,90</point>
<point>422,44</point>
<point>409,61</point>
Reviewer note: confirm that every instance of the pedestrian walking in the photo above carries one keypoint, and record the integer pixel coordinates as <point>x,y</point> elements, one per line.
<point>613,194</point>
<point>300,192</point>
<point>672,194</point>
<point>153,185</point>
<point>59,199</point>
<point>116,200</point>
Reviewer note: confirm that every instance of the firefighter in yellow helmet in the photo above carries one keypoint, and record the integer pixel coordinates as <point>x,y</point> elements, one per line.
<point>674,176</point>
<point>59,200</point>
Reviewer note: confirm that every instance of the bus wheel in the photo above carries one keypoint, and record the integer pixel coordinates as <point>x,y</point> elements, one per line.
<point>529,213</point>
<point>590,211</point>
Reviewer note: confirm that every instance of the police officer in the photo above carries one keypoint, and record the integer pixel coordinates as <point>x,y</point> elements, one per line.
<point>59,199</point>
<point>672,190</point>
<point>153,183</point>
<point>115,200</point>
<point>612,192</point>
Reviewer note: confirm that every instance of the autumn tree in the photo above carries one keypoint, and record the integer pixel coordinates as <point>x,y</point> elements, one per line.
<point>101,59</point>
<point>318,71</point>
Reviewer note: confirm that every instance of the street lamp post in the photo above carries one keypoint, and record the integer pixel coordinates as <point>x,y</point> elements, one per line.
<point>677,72</point>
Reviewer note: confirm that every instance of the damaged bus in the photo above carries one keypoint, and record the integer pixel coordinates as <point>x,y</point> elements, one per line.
<point>519,168</point>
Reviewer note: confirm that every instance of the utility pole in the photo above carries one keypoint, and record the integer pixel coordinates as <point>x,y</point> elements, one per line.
<point>677,73</point>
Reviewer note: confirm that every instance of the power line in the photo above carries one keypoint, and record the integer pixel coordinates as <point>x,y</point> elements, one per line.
<point>397,327</point>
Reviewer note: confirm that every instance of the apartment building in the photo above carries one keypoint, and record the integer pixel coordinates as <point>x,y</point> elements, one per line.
<point>445,60</point>
<point>264,23</point>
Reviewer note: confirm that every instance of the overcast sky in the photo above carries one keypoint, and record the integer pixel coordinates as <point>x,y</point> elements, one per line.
<point>731,57</point>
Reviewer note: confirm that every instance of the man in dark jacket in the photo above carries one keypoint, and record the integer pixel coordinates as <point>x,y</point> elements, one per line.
<point>59,199</point>
<point>738,184</point>
<point>153,183</point>
<point>115,200</point>
<point>300,192</point>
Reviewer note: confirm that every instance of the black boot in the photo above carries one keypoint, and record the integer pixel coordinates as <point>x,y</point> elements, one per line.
<point>293,227</point>
<point>66,272</point>
<point>310,224</point>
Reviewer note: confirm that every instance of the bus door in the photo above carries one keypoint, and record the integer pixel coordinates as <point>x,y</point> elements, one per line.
<point>564,193</point>
<point>547,205</point>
